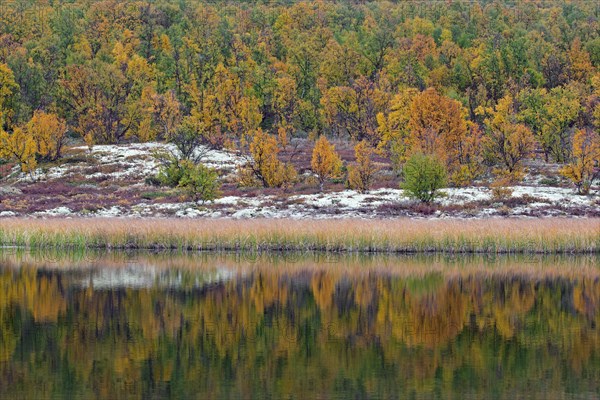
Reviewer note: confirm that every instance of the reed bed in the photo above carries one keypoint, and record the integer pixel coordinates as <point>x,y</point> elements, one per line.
<point>497,236</point>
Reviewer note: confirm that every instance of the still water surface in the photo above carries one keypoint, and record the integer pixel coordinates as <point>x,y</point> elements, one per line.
<point>286,326</point>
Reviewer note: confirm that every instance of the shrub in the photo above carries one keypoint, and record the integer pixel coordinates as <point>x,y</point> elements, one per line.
<point>583,168</point>
<point>465,174</point>
<point>191,140</point>
<point>171,170</point>
<point>49,133</point>
<point>198,181</point>
<point>264,166</point>
<point>423,177</point>
<point>501,190</point>
<point>153,181</point>
<point>153,195</point>
<point>501,193</point>
<point>19,146</point>
<point>201,183</point>
<point>325,162</point>
<point>290,176</point>
<point>549,181</point>
<point>361,173</point>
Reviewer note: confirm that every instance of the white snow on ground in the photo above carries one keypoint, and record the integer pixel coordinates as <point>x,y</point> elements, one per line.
<point>247,201</point>
<point>114,211</point>
<point>464,195</point>
<point>552,194</point>
<point>55,212</point>
<point>349,203</point>
<point>189,212</point>
<point>134,162</point>
<point>108,154</point>
<point>344,204</point>
<point>126,161</point>
<point>350,199</point>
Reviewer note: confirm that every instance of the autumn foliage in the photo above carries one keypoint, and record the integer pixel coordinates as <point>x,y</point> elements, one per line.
<point>19,146</point>
<point>264,164</point>
<point>49,133</point>
<point>362,172</point>
<point>485,92</point>
<point>325,163</point>
<point>584,167</point>
<point>508,142</point>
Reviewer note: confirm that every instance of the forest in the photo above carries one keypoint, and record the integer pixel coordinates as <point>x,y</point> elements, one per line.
<point>445,93</point>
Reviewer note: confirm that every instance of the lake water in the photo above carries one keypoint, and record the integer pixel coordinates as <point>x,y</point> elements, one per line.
<point>297,326</point>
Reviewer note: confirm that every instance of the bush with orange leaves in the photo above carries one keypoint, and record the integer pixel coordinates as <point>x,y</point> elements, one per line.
<point>432,124</point>
<point>49,132</point>
<point>20,146</point>
<point>326,163</point>
<point>264,166</point>
<point>584,167</point>
<point>362,172</point>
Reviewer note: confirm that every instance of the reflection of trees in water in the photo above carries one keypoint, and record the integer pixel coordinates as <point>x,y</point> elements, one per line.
<point>294,333</point>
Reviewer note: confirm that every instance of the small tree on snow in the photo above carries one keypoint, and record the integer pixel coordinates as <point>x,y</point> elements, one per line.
<point>326,163</point>
<point>201,183</point>
<point>424,176</point>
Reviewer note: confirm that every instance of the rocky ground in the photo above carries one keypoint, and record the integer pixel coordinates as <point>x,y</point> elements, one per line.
<point>113,180</point>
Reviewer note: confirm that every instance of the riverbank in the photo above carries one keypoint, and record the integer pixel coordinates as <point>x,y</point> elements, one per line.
<point>484,236</point>
<point>117,181</point>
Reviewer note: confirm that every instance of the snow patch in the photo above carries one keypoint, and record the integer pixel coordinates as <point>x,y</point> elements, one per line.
<point>352,204</point>
<point>350,199</point>
<point>555,195</point>
<point>58,211</point>
<point>114,211</point>
<point>465,195</point>
<point>189,213</point>
<point>128,161</point>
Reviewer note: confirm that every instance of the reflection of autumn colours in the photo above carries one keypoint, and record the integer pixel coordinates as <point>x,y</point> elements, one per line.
<point>298,332</point>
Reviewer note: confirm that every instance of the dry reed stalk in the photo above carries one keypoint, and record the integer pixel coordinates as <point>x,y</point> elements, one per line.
<point>553,235</point>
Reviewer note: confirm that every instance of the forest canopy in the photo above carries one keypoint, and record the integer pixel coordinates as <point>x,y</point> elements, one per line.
<point>470,83</point>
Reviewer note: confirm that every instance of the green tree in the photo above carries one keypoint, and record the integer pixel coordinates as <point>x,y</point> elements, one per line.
<point>200,182</point>
<point>424,176</point>
<point>551,115</point>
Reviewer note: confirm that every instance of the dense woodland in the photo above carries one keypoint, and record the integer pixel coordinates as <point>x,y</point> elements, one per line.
<point>458,89</point>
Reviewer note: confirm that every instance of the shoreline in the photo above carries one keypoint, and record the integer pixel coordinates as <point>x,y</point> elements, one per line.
<point>399,236</point>
<point>112,181</point>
